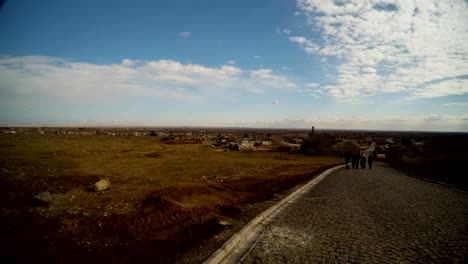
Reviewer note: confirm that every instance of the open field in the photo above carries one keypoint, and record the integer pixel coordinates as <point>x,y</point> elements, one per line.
<point>167,203</point>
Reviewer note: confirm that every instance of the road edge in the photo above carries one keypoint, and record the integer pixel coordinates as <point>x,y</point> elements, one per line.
<point>240,243</point>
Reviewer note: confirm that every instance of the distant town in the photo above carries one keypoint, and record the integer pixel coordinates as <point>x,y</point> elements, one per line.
<point>312,141</point>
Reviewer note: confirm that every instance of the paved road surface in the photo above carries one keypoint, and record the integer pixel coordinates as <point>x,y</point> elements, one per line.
<point>369,216</point>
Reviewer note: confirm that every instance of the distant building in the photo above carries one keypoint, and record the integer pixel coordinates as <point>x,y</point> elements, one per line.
<point>312,131</point>
<point>246,145</point>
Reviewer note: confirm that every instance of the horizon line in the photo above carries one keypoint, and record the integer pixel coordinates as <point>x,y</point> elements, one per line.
<point>222,127</point>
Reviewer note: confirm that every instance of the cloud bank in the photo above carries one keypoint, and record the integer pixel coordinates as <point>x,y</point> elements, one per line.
<point>430,122</point>
<point>24,78</point>
<point>416,48</point>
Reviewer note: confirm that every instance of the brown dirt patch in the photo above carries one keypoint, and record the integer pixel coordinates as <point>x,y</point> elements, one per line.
<point>177,208</point>
<point>174,224</point>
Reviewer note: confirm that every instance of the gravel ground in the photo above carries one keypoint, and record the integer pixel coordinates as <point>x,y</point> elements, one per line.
<point>369,216</point>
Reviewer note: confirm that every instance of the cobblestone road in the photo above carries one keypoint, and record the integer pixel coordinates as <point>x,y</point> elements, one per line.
<point>369,216</point>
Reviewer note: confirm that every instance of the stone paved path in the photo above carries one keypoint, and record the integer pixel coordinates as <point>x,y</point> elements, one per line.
<point>369,216</point>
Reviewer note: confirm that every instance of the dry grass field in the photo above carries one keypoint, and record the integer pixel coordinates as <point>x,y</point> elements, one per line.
<point>167,203</point>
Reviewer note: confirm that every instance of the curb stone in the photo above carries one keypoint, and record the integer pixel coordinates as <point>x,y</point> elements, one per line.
<point>233,250</point>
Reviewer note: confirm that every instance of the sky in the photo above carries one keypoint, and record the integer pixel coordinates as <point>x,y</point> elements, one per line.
<point>332,64</point>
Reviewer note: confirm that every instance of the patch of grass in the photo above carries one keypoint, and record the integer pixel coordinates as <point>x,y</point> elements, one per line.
<point>159,192</point>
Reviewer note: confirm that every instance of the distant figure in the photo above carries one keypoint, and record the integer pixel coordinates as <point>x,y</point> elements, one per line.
<point>355,160</point>
<point>347,157</point>
<point>370,159</point>
<point>363,162</point>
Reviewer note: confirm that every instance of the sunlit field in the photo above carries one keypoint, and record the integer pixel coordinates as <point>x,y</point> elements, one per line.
<point>163,200</point>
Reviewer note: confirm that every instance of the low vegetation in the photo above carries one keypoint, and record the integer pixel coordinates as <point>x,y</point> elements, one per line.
<point>441,158</point>
<point>166,203</point>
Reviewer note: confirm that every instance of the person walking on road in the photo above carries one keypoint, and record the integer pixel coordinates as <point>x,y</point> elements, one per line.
<point>347,157</point>
<point>363,161</point>
<point>355,160</point>
<point>370,159</point>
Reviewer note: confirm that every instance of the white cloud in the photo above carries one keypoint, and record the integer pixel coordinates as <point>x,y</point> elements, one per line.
<point>313,85</point>
<point>286,31</point>
<point>430,122</point>
<point>231,70</point>
<point>432,117</point>
<point>308,45</point>
<point>387,46</point>
<point>24,78</point>
<point>300,40</point>
<point>456,104</point>
<point>444,88</point>
<point>256,56</point>
<point>368,70</point>
<point>185,34</point>
<point>275,102</point>
<point>128,62</point>
<point>231,62</point>
<point>264,78</point>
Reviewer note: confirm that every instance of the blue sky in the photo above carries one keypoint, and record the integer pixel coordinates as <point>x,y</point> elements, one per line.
<point>377,64</point>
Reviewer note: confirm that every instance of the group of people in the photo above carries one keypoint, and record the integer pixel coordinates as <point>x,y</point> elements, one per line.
<point>357,160</point>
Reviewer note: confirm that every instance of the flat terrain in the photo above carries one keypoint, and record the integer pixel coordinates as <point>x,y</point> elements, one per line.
<point>167,203</point>
<point>370,216</point>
